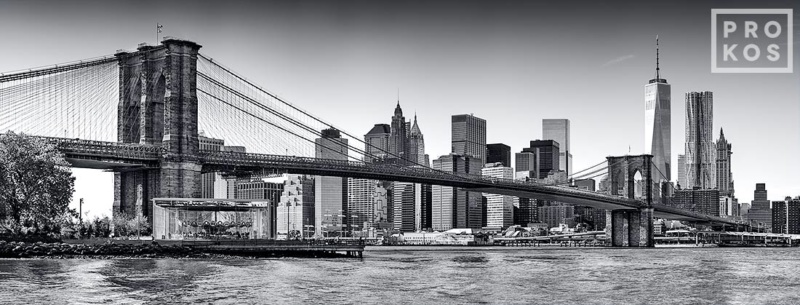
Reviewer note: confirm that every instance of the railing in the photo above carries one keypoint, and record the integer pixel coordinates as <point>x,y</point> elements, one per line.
<point>130,151</point>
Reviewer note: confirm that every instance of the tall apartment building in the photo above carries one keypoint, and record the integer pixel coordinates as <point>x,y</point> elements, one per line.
<point>786,216</point>
<point>700,150</point>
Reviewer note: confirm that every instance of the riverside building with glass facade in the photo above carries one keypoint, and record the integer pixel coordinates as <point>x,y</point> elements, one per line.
<point>211,219</point>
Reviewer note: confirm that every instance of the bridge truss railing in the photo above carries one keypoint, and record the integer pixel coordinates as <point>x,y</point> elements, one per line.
<point>130,151</point>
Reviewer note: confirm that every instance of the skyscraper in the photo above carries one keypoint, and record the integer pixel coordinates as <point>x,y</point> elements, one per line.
<point>377,140</point>
<point>455,207</point>
<point>657,123</point>
<point>411,203</point>
<point>526,210</point>
<point>547,156</point>
<point>416,145</point>
<point>398,138</point>
<point>499,208</point>
<point>724,175</point>
<point>498,152</point>
<point>760,211</point>
<point>423,202</point>
<point>682,171</point>
<point>403,198</point>
<point>700,152</point>
<point>468,134</point>
<point>526,163</point>
<point>330,192</point>
<point>360,205</point>
<point>558,130</point>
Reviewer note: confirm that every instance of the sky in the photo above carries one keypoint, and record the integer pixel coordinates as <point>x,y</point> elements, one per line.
<point>512,63</point>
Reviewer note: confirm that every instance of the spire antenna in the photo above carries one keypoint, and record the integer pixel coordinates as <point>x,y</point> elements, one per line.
<point>658,74</point>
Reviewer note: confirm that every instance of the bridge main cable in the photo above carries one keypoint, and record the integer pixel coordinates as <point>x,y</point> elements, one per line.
<point>31,73</point>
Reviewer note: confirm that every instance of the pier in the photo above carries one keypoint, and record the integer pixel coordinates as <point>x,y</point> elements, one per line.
<point>275,248</point>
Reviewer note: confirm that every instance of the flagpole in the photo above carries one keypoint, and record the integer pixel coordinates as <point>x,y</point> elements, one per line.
<point>158,31</point>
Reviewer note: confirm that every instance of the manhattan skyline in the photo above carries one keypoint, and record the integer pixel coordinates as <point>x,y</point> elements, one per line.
<point>512,65</point>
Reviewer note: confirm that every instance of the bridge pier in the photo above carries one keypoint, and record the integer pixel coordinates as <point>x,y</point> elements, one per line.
<point>133,191</point>
<point>180,179</point>
<point>158,107</point>
<point>630,228</point>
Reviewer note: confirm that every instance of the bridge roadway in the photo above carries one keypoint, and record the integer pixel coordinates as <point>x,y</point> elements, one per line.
<point>126,156</point>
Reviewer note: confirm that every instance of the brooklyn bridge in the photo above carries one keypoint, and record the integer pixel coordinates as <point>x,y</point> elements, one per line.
<point>139,114</point>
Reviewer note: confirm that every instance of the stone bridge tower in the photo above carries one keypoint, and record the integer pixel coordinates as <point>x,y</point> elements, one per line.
<point>631,228</point>
<point>158,106</point>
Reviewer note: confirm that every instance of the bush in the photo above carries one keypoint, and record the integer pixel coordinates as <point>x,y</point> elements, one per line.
<point>128,225</point>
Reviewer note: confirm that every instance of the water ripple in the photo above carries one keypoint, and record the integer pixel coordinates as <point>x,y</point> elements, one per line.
<point>449,276</point>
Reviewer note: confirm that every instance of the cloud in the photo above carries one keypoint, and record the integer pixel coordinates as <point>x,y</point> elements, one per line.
<point>617,60</point>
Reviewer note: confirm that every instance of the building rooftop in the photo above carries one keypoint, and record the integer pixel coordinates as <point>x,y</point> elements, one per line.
<point>379,129</point>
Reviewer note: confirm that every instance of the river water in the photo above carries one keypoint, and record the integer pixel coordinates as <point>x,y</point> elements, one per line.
<point>417,276</point>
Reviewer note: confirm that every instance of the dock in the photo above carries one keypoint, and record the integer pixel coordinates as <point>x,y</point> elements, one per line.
<point>275,248</point>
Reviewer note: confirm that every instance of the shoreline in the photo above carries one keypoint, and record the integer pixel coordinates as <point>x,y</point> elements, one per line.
<point>110,250</point>
<point>95,250</point>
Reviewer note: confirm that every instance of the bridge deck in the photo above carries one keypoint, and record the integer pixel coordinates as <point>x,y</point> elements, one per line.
<point>122,156</point>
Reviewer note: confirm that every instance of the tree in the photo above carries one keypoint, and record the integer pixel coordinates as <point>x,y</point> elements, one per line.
<point>36,184</point>
<point>129,225</point>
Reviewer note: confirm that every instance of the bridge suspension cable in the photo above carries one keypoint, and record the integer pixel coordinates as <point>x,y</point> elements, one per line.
<point>301,111</point>
<point>588,168</point>
<point>265,121</point>
<point>238,87</point>
<point>73,100</point>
